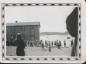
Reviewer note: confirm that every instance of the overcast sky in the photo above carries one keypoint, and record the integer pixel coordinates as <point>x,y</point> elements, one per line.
<point>51,18</point>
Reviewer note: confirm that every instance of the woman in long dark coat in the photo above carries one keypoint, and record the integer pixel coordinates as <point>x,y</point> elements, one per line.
<point>20,46</point>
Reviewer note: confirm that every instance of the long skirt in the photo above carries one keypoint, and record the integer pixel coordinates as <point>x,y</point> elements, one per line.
<point>20,52</point>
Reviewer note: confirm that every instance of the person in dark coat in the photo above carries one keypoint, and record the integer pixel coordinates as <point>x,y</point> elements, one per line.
<point>20,46</point>
<point>64,44</point>
<point>42,45</point>
<point>7,43</point>
<point>28,43</point>
<point>71,43</point>
<point>59,44</point>
<point>49,47</point>
<point>32,43</point>
<point>52,43</point>
<point>36,43</point>
<point>46,43</point>
<point>55,43</point>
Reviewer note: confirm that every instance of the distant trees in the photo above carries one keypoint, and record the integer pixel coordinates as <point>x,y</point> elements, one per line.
<point>72,27</point>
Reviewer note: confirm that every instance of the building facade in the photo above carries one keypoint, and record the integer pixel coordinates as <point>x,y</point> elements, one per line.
<point>29,30</point>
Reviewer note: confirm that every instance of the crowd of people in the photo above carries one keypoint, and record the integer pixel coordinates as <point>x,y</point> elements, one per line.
<point>21,44</point>
<point>41,43</point>
<point>46,43</point>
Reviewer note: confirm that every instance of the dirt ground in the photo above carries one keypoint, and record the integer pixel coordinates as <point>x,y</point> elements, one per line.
<point>39,51</point>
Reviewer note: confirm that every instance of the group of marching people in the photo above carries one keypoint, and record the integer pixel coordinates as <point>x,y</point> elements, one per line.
<point>47,43</point>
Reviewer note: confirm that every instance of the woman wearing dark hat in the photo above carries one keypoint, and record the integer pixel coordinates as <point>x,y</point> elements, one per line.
<point>20,46</point>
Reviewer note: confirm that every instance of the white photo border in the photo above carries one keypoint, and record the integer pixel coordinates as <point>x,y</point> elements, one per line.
<point>3,26</point>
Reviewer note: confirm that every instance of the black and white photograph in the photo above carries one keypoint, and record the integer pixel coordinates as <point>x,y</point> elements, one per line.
<point>41,30</point>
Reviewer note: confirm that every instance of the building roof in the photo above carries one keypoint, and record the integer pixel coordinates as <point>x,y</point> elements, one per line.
<point>23,23</point>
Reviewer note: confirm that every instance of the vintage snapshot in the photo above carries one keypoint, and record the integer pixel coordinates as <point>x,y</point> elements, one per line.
<point>41,30</point>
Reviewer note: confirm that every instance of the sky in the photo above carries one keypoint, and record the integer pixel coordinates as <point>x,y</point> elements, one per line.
<point>51,18</point>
